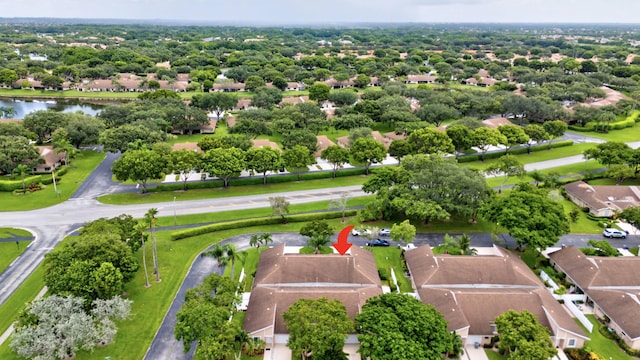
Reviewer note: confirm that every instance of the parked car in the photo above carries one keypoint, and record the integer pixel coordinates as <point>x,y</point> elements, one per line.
<point>614,233</point>
<point>378,242</point>
<point>384,232</point>
<point>358,232</point>
<point>407,247</point>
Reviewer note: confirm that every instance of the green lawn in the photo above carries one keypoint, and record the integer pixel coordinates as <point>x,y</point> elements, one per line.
<point>584,225</point>
<point>9,251</point>
<point>250,263</point>
<point>15,303</point>
<point>494,355</point>
<point>166,196</point>
<point>609,181</point>
<point>84,164</point>
<point>255,212</point>
<point>624,135</point>
<point>602,346</point>
<point>387,258</point>
<point>537,156</point>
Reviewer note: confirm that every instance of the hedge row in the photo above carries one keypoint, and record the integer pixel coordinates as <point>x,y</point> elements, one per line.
<point>495,155</point>
<point>45,179</point>
<point>604,331</point>
<point>627,123</point>
<point>274,179</point>
<point>183,234</point>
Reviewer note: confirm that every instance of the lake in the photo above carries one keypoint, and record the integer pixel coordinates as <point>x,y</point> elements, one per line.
<point>24,107</point>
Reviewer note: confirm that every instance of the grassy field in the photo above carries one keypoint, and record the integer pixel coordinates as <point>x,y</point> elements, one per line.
<point>9,251</point>
<point>623,135</point>
<point>165,196</point>
<point>68,184</point>
<point>14,304</point>
<point>584,225</point>
<point>602,346</point>
<point>255,212</point>
<point>537,156</point>
<point>389,258</point>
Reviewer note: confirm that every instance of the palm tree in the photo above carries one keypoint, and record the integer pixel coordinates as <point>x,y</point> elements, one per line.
<point>226,255</point>
<point>141,229</point>
<point>68,149</point>
<point>21,170</point>
<point>464,243</point>
<point>255,240</point>
<point>318,242</point>
<point>231,255</point>
<point>266,239</point>
<point>537,176</point>
<point>150,218</point>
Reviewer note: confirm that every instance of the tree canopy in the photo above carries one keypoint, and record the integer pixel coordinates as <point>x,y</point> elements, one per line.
<point>317,328</point>
<point>522,337</point>
<point>382,330</point>
<point>529,215</point>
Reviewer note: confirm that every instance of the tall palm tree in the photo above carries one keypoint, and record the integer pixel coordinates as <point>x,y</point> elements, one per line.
<point>226,255</point>
<point>141,229</point>
<point>21,170</point>
<point>68,150</point>
<point>232,255</point>
<point>150,218</point>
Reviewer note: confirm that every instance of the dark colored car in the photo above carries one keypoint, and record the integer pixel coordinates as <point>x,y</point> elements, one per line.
<point>378,242</point>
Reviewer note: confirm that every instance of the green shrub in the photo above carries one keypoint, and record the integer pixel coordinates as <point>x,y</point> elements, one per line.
<point>384,275</point>
<point>183,234</point>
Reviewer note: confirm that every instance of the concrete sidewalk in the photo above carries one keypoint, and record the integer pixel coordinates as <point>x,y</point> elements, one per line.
<point>471,353</point>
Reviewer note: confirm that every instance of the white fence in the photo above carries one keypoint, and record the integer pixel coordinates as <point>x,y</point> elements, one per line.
<point>568,301</point>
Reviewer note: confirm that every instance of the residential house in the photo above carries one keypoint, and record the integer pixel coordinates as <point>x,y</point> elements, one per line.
<point>295,86</point>
<point>283,276</point>
<point>293,100</point>
<point>335,84</point>
<point>605,200</point>
<point>187,146</point>
<point>421,79</point>
<point>228,87</point>
<point>242,104</point>
<point>50,160</point>
<point>259,143</point>
<point>381,139</point>
<point>495,123</point>
<point>611,287</point>
<point>323,143</point>
<point>471,291</point>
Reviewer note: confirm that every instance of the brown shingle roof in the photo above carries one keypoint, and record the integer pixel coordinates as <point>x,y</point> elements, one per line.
<point>604,196</point>
<point>186,146</point>
<point>282,279</point>
<point>611,282</point>
<point>323,143</point>
<point>471,291</point>
<point>496,122</point>
<point>258,143</point>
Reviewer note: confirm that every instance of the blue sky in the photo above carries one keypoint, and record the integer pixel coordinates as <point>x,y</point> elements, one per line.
<point>333,11</point>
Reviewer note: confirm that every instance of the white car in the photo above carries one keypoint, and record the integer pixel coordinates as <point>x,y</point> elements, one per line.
<point>358,232</point>
<point>384,232</point>
<point>614,233</point>
<point>409,246</point>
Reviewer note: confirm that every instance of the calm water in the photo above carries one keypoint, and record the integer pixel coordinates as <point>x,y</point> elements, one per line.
<point>24,107</point>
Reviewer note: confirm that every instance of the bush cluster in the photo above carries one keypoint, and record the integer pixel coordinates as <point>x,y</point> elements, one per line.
<point>183,234</point>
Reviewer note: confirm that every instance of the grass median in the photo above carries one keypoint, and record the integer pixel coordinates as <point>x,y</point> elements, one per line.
<point>84,164</point>
<point>195,194</point>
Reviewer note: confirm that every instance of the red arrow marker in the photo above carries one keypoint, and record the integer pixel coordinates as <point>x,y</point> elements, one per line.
<point>343,244</point>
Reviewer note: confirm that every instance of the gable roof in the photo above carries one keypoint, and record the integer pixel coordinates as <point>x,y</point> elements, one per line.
<point>471,291</point>
<point>611,282</point>
<point>496,122</point>
<point>282,279</point>
<point>604,196</point>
